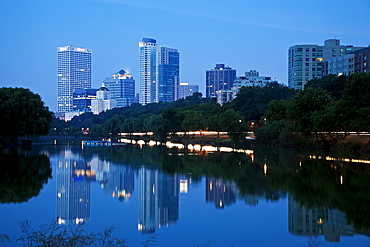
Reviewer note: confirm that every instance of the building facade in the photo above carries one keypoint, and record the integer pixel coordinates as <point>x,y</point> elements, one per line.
<point>103,101</point>
<point>348,64</point>
<point>185,89</point>
<point>159,72</point>
<point>73,72</point>
<point>250,79</point>
<point>305,61</point>
<point>219,78</point>
<point>82,99</point>
<point>122,88</point>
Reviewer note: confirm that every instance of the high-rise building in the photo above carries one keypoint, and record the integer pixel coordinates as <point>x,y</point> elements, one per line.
<point>74,72</point>
<point>159,72</point>
<point>219,78</point>
<point>122,88</point>
<point>82,99</point>
<point>305,61</point>
<point>185,89</point>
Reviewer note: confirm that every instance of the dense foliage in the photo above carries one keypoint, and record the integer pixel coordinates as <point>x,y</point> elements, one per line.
<point>252,102</point>
<point>22,113</point>
<point>319,115</point>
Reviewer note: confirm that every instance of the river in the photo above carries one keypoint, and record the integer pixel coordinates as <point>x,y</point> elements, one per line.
<point>160,196</point>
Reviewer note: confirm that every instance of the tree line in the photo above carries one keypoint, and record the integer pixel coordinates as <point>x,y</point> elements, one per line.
<point>324,112</point>
<point>193,113</point>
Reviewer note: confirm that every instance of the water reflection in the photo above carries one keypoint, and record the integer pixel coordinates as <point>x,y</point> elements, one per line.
<point>22,175</point>
<point>158,200</point>
<point>73,177</point>
<point>326,197</point>
<point>115,180</point>
<point>220,192</point>
<point>331,223</point>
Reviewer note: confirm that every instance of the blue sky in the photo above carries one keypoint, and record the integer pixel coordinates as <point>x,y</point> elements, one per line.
<point>242,34</point>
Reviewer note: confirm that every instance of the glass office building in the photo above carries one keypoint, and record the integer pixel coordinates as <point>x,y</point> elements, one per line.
<point>74,73</point>
<point>159,72</point>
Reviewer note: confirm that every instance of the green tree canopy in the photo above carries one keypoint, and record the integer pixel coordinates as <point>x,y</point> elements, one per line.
<point>252,102</point>
<point>331,83</point>
<point>22,112</point>
<point>307,104</point>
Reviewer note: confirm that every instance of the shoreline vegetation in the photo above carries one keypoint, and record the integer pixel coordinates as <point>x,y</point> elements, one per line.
<point>319,117</point>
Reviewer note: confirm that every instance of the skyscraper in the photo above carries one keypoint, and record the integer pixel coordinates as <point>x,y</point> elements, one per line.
<point>122,88</point>
<point>305,61</point>
<point>74,72</point>
<point>159,72</point>
<point>219,78</point>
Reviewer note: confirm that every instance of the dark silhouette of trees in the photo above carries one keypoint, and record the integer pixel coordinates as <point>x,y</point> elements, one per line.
<point>22,113</point>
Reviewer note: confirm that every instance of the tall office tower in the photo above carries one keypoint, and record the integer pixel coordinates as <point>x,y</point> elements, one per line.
<point>122,88</point>
<point>219,78</point>
<point>305,61</point>
<point>74,72</point>
<point>186,89</point>
<point>159,72</point>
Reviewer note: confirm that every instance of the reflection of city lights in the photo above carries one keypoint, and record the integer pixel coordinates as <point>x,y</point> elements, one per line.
<point>340,159</point>
<point>209,148</point>
<point>59,195</point>
<point>226,149</point>
<point>210,186</point>
<point>183,186</point>
<point>78,221</point>
<point>61,221</point>
<point>265,169</point>
<point>221,204</point>
<point>141,142</point>
<point>319,221</point>
<point>152,143</point>
<point>341,179</point>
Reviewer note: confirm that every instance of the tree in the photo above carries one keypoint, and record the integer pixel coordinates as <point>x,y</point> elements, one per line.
<point>252,102</point>
<point>331,83</point>
<point>22,113</point>
<point>356,98</point>
<point>277,110</point>
<point>233,123</point>
<point>307,104</point>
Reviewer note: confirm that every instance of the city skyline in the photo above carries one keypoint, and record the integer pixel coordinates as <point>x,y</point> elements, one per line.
<point>250,36</point>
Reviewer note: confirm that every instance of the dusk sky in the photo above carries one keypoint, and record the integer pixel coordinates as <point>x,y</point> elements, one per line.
<point>242,34</point>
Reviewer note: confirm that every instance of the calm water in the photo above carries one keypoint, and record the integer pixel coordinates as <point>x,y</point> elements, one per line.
<point>177,198</point>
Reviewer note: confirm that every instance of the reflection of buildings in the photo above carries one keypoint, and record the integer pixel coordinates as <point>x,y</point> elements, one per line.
<point>116,180</point>
<point>158,200</point>
<point>220,192</point>
<point>313,222</point>
<point>73,189</point>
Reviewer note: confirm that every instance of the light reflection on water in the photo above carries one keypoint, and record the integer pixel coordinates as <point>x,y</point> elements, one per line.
<point>187,199</point>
